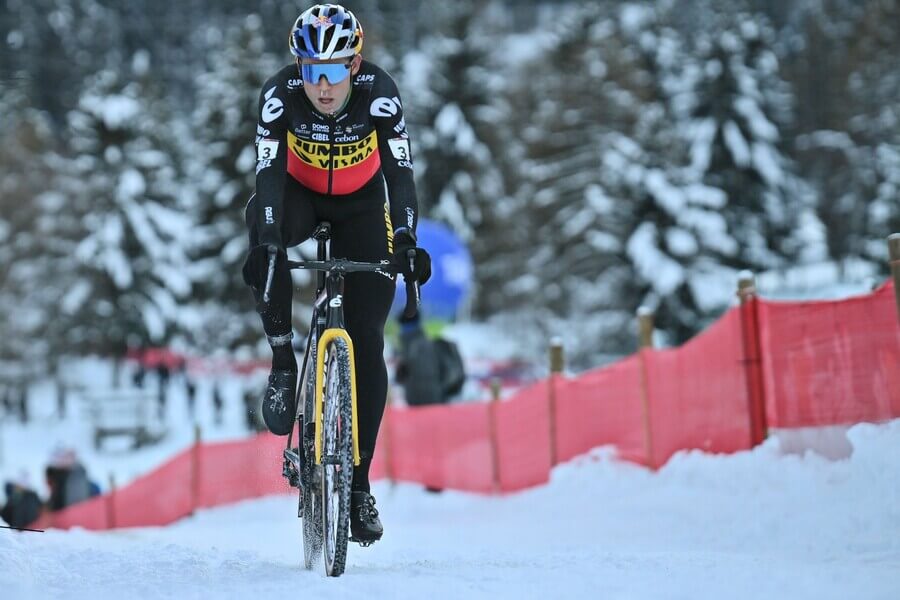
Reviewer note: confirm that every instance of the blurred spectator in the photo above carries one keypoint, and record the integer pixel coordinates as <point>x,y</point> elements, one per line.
<point>417,365</point>
<point>252,414</point>
<point>430,371</point>
<point>61,397</point>
<point>68,480</point>
<point>162,374</point>
<point>139,374</point>
<point>217,404</point>
<point>180,366</point>
<point>23,403</point>
<point>14,401</point>
<point>140,371</point>
<point>190,389</point>
<point>6,401</point>
<point>23,506</point>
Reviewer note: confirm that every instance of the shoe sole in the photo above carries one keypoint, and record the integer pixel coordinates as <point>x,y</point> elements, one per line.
<point>364,543</point>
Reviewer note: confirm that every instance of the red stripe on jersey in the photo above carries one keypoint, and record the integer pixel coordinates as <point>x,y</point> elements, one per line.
<point>352,164</point>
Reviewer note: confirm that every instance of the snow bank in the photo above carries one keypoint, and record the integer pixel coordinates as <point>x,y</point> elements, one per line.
<point>751,525</point>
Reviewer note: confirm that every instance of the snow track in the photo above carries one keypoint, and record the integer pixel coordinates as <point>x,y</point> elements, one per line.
<point>752,525</point>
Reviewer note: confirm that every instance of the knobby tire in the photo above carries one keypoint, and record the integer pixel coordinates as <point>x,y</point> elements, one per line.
<point>312,501</point>
<point>337,445</point>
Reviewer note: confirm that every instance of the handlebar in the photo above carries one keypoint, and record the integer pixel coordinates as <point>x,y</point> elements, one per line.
<point>340,265</point>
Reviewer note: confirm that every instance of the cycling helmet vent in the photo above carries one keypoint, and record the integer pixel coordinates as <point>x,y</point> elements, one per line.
<point>326,31</point>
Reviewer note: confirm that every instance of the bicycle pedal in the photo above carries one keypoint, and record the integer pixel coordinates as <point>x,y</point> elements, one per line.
<point>293,457</point>
<point>363,543</point>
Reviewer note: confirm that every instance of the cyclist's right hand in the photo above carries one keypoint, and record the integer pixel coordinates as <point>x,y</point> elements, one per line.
<point>256,265</point>
<point>419,269</point>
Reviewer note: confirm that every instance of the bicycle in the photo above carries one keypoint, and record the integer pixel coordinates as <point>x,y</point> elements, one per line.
<point>321,466</point>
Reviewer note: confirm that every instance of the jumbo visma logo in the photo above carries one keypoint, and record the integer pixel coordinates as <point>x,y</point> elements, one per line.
<point>334,156</point>
<point>333,168</point>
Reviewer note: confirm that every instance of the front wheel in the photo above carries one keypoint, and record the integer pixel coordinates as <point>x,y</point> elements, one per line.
<point>337,456</point>
<point>310,499</point>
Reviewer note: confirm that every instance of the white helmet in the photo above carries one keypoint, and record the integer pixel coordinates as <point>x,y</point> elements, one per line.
<point>326,31</point>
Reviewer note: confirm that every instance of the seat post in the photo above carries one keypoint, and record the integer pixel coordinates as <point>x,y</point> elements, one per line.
<point>322,234</point>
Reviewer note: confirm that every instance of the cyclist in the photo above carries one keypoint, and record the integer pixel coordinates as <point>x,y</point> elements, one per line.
<point>332,146</point>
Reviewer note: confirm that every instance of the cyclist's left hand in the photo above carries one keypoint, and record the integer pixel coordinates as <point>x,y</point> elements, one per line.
<point>404,241</point>
<point>256,265</point>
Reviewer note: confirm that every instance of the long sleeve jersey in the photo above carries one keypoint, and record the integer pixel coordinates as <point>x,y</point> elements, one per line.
<point>333,155</point>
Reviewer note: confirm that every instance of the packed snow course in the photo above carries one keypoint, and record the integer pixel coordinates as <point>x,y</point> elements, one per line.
<point>757,524</point>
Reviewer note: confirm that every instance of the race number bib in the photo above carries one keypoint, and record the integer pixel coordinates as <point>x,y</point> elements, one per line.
<point>266,149</point>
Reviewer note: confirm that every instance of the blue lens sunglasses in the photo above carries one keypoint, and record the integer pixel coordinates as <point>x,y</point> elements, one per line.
<point>333,72</point>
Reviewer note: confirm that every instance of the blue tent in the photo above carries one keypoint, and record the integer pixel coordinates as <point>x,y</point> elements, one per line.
<point>451,273</point>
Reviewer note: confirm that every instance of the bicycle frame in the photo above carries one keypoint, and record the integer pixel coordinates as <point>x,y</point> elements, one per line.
<point>324,481</point>
<point>328,324</point>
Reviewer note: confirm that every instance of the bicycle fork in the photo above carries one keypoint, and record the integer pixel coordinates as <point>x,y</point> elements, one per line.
<point>327,336</point>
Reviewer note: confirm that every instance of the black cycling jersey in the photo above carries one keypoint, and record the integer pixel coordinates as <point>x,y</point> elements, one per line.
<point>353,169</point>
<point>333,155</point>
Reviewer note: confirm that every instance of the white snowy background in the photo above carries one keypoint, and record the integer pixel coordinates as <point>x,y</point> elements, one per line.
<point>595,156</point>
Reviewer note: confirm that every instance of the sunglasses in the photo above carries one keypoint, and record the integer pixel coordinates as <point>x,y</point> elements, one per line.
<point>333,72</point>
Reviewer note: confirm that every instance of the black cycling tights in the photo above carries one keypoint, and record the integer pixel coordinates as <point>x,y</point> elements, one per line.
<point>359,231</point>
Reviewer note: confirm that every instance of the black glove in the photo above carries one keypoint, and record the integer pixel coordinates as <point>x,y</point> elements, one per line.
<point>404,241</point>
<point>256,265</point>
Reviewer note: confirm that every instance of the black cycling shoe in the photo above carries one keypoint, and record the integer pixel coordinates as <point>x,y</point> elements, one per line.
<point>278,407</point>
<point>365,526</point>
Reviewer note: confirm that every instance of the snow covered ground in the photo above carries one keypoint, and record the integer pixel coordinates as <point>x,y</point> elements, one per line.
<point>758,524</point>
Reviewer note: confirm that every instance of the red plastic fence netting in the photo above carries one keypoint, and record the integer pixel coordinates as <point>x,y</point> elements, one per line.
<point>783,364</point>
<point>158,498</point>
<point>233,471</point>
<point>441,446</point>
<point>603,406</point>
<point>522,434</point>
<point>831,363</point>
<point>697,394</point>
<point>91,514</point>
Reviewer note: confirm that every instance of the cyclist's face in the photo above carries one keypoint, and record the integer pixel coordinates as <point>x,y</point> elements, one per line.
<point>327,82</point>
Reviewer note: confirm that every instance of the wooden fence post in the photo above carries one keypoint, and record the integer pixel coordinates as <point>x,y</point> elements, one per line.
<point>495,442</point>
<point>645,327</point>
<point>894,257</point>
<point>746,286</point>
<point>111,503</point>
<point>752,360</point>
<point>557,365</point>
<point>645,345</point>
<point>195,469</point>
